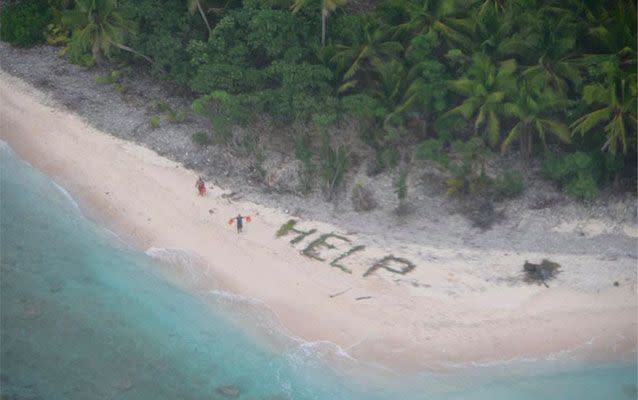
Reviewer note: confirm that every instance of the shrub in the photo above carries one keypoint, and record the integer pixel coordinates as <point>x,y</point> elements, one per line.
<point>432,149</point>
<point>401,187</point>
<point>365,107</point>
<point>583,187</point>
<point>258,57</point>
<point>176,117</point>
<point>154,121</point>
<point>162,31</point>
<point>252,147</point>
<point>172,115</point>
<point>401,190</point>
<point>334,163</point>
<point>432,94</point>
<point>56,34</point>
<point>577,173</point>
<point>508,185</point>
<point>390,156</point>
<point>223,110</point>
<point>201,138</point>
<point>103,79</point>
<point>468,167</point>
<point>304,154</point>
<point>458,162</point>
<point>114,79</point>
<point>23,24</point>
<point>466,163</point>
<point>77,52</point>
<point>161,106</point>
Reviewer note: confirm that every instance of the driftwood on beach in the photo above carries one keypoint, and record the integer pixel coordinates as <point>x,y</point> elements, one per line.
<point>540,273</point>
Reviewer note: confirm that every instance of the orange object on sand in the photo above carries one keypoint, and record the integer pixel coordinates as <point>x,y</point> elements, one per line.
<point>248,219</point>
<point>230,221</point>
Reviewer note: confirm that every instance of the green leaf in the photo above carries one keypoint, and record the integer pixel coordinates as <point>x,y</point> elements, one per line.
<point>493,128</point>
<point>480,118</point>
<point>507,68</point>
<point>588,121</point>
<point>466,109</point>
<point>347,86</point>
<point>511,136</point>
<point>495,97</point>
<point>462,86</point>
<point>561,131</point>
<point>594,93</point>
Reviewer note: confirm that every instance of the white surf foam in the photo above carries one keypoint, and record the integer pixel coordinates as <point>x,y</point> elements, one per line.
<point>297,350</point>
<point>234,297</point>
<point>193,266</point>
<point>67,195</point>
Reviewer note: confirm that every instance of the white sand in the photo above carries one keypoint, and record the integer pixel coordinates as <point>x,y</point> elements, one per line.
<point>458,305</point>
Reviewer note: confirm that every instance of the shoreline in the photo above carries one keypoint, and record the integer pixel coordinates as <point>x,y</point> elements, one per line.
<point>443,312</point>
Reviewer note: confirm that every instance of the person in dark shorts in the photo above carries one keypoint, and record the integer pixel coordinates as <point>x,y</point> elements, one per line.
<point>239,220</point>
<point>240,223</point>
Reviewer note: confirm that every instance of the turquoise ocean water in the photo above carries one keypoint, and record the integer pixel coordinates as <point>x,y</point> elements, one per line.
<point>84,316</point>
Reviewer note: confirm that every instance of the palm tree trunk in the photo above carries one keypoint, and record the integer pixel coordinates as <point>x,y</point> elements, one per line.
<point>324,19</point>
<point>130,50</point>
<point>527,139</point>
<point>97,54</point>
<point>201,11</point>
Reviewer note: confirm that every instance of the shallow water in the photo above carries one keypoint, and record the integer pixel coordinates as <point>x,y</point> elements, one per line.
<point>84,316</point>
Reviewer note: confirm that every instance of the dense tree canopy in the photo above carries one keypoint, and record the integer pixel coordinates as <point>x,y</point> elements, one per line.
<point>535,76</point>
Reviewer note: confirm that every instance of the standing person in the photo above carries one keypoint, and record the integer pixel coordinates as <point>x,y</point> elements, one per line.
<point>239,220</point>
<point>201,186</point>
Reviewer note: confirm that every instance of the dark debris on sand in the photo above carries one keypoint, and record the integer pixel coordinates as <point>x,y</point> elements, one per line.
<point>540,273</point>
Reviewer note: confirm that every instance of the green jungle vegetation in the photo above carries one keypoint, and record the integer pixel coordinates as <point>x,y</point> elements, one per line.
<point>458,82</point>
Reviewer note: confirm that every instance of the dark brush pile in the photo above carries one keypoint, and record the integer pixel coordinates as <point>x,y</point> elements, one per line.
<point>540,273</point>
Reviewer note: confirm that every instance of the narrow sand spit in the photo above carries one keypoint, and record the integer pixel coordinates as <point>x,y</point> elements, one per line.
<point>425,308</point>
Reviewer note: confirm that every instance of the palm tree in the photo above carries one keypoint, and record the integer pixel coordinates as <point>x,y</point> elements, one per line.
<point>436,15</point>
<point>98,25</point>
<point>197,5</point>
<point>489,6</point>
<point>612,30</point>
<point>489,30</point>
<point>486,89</point>
<point>617,101</point>
<point>533,110</point>
<point>548,46</point>
<point>426,80</point>
<point>327,7</point>
<point>373,51</point>
<point>395,88</point>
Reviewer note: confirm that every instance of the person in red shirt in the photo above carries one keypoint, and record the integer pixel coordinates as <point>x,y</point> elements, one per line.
<point>201,186</point>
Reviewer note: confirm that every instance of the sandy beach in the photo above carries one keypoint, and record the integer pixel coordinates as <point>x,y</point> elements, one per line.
<point>425,307</point>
